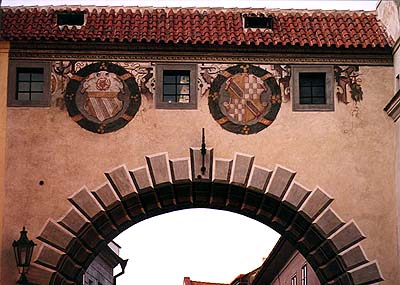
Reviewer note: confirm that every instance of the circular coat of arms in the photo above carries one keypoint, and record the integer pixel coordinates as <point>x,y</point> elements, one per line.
<point>102,97</point>
<point>244,99</point>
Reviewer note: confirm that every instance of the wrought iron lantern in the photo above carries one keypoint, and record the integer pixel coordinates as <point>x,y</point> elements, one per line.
<point>23,249</point>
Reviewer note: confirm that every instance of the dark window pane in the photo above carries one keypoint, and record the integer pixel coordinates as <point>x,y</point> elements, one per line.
<point>306,100</point>
<point>36,96</point>
<point>169,89</point>
<point>312,88</point>
<point>318,92</point>
<point>37,76</point>
<point>23,96</point>
<point>169,99</point>
<point>169,78</point>
<point>22,76</point>
<point>23,86</point>
<point>37,86</point>
<point>318,100</point>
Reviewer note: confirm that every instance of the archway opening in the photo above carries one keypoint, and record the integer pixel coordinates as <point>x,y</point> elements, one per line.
<point>203,244</point>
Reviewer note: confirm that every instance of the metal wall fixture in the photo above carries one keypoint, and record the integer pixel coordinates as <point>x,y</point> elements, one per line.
<point>23,249</point>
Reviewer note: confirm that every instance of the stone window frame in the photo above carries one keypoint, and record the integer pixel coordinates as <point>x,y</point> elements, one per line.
<point>12,80</point>
<point>192,105</point>
<point>329,88</point>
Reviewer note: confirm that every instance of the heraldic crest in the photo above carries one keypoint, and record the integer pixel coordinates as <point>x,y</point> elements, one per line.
<point>244,99</point>
<point>102,97</point>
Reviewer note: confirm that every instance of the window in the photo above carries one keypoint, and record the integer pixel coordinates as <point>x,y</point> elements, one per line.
<point>304,275</point>
<point>176,86</point>
<point>70,18</point>
<point>258,22</point>
<point>312,88</point>
<point>293,280</point>
<point>28,84</point>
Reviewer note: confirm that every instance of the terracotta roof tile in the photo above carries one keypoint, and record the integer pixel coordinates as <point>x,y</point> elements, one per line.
<point>196,26</point>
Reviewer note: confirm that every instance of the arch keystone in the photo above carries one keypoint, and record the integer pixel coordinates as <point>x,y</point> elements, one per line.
<point>316,202</point>
<point>159,168</point>
<point>280,181</point>
<point>222,170</point>
<point>196,163</point>
<point>346,236</point>
<point>368,273</point>
<point>180,169</point>
<point>121,181</point>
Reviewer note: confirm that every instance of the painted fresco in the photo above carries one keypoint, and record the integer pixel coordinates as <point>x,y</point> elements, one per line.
<point>244,99</point>
<point>245,102</point>
<point>102,97</point>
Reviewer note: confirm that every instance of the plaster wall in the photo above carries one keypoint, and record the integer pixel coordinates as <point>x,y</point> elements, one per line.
<point>350,153</point>
<point>4,48</point>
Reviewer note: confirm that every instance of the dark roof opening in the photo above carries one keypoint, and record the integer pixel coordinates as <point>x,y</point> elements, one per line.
<point>258,22</point>
<point>70,18</point>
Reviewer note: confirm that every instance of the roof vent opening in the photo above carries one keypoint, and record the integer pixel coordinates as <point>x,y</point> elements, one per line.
<point>258,22</point>
<point>70,18</point>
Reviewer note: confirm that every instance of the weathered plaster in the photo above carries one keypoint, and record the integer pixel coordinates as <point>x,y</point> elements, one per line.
<point>350,153</point>
<point>4,48</point>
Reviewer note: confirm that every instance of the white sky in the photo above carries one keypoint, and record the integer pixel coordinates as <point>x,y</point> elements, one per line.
<point>300,4</point>
<point>205,245</point>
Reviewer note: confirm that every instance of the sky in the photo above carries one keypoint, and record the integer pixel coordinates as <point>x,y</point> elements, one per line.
<point>298,4</point>
<point>205,245</point>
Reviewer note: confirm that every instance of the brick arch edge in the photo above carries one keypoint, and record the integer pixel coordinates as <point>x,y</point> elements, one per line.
<point>330,245</point>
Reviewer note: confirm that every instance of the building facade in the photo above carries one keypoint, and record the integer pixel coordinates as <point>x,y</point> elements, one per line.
<point>125,92</point>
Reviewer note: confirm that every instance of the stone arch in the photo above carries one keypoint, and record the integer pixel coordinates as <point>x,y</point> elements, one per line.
<point>330,245</point>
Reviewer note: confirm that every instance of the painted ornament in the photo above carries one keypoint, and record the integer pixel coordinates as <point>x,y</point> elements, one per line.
<point>244,99</point>
<point>102,97</point>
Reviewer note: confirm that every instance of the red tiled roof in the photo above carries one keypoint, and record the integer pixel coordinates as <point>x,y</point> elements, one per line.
<point>197,26</point>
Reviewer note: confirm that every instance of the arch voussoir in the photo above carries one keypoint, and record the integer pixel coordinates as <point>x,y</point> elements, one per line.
<point>305,218</point>
<point>82,228</point>
<point>110,202</point>
<point>256,186</point>
<point>60,238</point>
<point>45,276</point>
<point>161,177</point>
<point>125,189</point>
<point>55,259</point>
<point>88,205</point>
<point>182,183</point>
<point>291,202</point>
<point>242,166</point>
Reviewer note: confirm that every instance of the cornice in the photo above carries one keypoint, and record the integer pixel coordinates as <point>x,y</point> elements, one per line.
<point>393,107</point>
<point>273,58</point>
